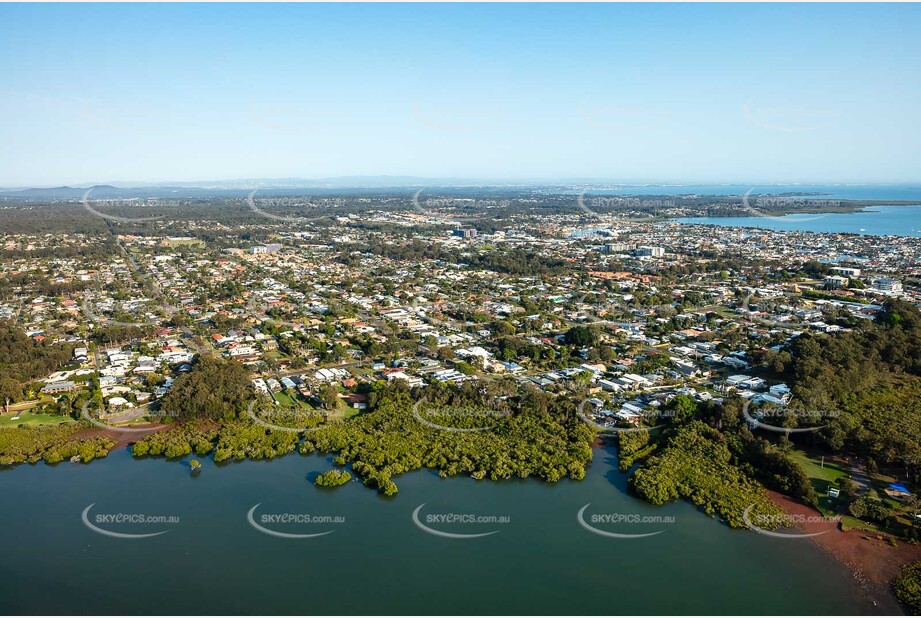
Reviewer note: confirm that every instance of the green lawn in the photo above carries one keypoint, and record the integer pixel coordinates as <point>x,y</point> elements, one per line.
<point>822,477</point>
<point>288,401</point>
<point>347,411</point>
<point>829,473</point>
<point>27,418</point>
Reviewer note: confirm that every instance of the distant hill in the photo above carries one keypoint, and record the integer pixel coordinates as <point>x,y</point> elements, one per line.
<point>111,192</point>
<point>242,187</point>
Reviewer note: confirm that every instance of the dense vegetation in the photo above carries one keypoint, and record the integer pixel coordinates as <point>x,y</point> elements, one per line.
<point>51,444</point>
<point>22,360</point>
<point>215,389</point>
<point>542,438</point>
<point>907,586</point>
<point>634,446</point>
<point>696,464</point>
<point>580,336</point>
<point>708,454</point>
<point>232,440</point>
<point>333,478</point>
<point>507,261</point>
<point>177,441</point>
<point>866,380</point>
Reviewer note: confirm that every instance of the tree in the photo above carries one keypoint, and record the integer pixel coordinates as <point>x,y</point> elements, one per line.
<point>329,395</point>
<point>215,389</point>
<point>580,336</point>
<point>333,478</point>
<point>681,409</point>
<point>907,586</point>
<point>848,487</point>
<point>10,391</point>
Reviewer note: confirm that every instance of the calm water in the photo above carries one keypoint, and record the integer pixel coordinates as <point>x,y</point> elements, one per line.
<point>877,220</point>
<point>829,192</point>
<point>541,561</point>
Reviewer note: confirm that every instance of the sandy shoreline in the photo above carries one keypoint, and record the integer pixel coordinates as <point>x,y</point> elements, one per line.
<point>872,562</point>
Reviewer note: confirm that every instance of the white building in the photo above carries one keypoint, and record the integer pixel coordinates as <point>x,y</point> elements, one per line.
<point>887,284</point>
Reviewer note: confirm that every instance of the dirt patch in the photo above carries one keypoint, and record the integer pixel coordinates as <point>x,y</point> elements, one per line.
<point>873,562</point>
<point>121,438</point>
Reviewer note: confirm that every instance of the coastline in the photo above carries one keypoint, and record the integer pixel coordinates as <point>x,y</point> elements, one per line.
<point>122,438</point>
<point>872,562</point>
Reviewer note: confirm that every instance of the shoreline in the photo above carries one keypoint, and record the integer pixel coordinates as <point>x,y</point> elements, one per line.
<point>121,438</point>
<point>872,562</point>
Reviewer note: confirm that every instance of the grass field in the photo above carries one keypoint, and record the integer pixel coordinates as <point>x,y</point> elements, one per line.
<point>822,476</point>
<point>27,418</point>
<point>347,411</point>
<point>827,474</point>
<point>288,401</point>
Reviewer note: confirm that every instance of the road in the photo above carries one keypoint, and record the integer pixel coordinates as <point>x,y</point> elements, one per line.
<point>18,313</point>
<point>169,309</point>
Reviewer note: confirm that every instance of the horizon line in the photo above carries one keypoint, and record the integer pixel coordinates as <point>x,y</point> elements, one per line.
<point>407,180</point>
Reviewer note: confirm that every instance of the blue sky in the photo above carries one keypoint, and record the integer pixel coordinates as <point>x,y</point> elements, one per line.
<point>672,93</point>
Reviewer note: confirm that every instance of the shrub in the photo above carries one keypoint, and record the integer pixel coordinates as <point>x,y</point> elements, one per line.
<point>907,586</point>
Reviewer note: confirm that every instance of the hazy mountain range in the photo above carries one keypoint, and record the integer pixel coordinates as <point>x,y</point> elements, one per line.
<point>212,188</point>
<point>365,184</point>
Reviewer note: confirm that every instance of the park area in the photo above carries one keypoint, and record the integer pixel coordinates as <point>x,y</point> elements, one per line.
<point>27,418</point>
<point>829,476</point>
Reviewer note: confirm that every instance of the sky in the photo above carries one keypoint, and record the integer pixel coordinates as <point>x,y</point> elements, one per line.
<point>747,93</point>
